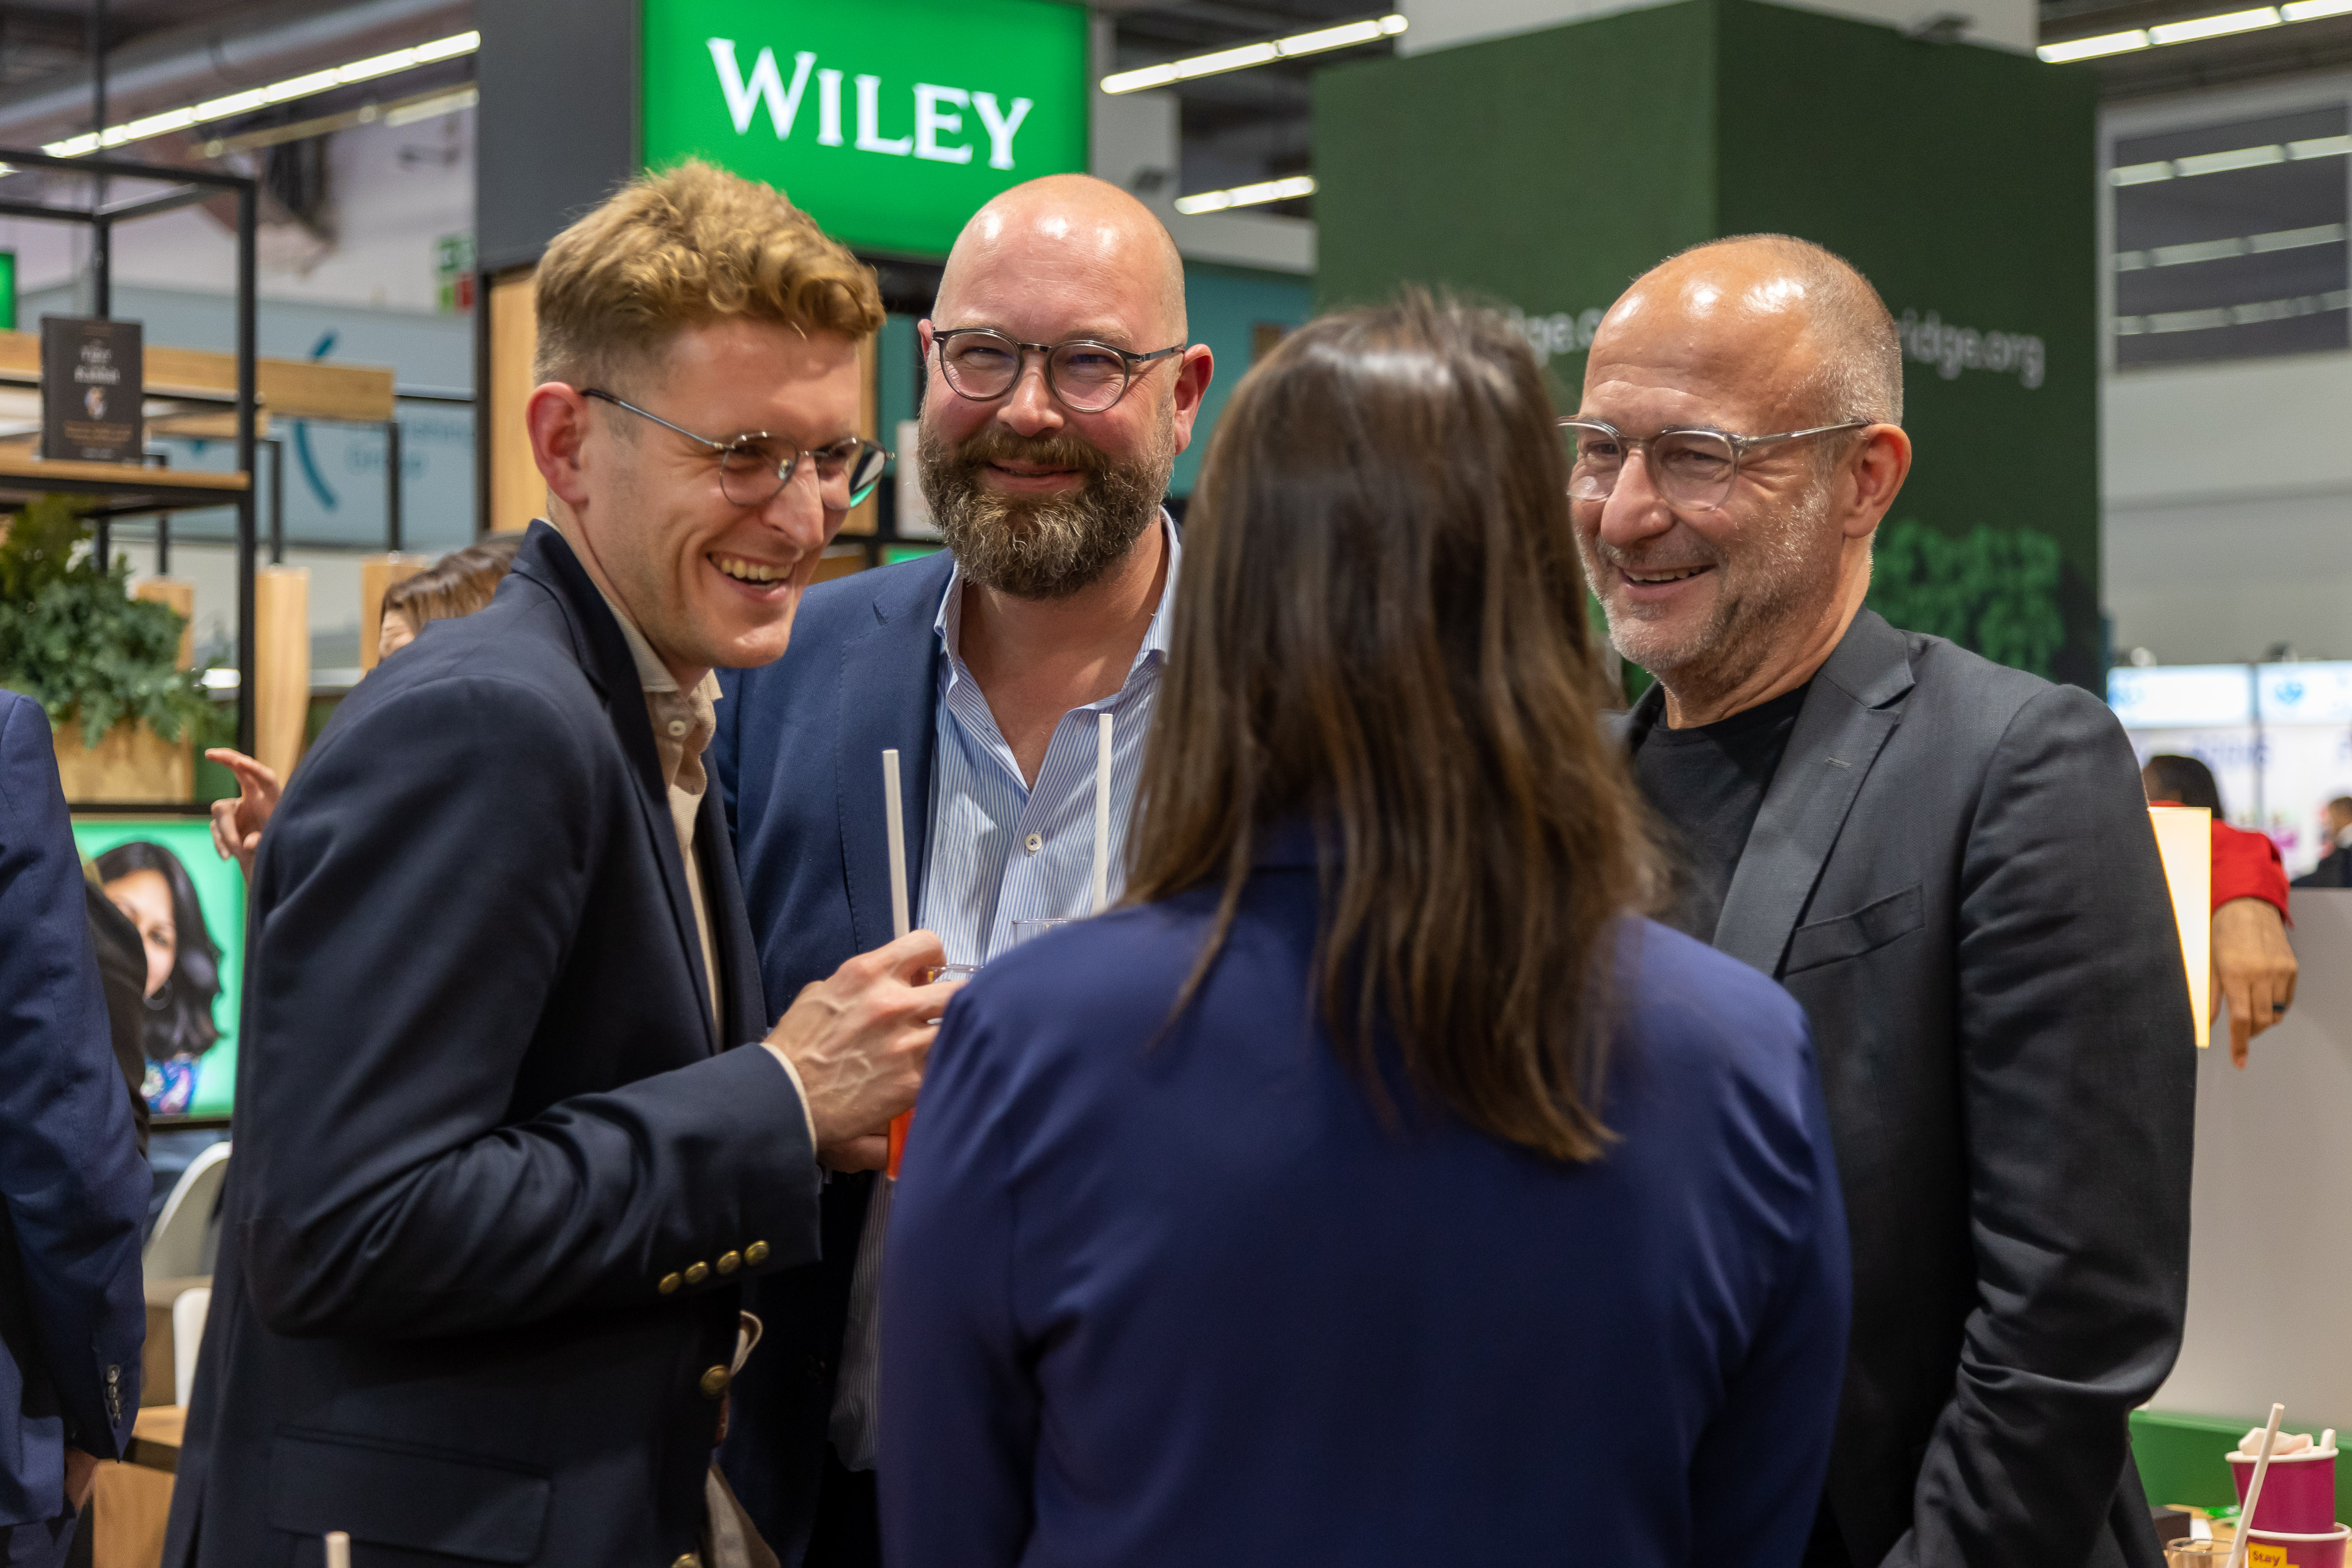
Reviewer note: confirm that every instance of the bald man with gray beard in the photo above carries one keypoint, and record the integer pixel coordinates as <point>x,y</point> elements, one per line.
<point>1061,388</point>
<point>1949,865</point>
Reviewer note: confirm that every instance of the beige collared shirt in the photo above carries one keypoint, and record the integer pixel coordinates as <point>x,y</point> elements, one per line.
<point>683,724</point>
<point>680,754</point>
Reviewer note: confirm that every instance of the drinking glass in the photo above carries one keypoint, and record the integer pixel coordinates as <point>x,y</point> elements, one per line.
<point>1028,930</point>
<point>906,1118</point>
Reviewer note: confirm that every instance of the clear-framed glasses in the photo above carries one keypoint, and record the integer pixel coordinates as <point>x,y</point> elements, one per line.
<point>754,465</point>
<point>1692,468</point>
<point>981,364</point>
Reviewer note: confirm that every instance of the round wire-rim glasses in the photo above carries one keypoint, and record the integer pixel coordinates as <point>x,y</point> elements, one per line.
<point>983,364</point>
<point>750,472</point>
<point>1691,466</point>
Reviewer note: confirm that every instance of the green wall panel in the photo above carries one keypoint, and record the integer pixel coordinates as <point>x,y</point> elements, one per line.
<point>1545,172</point>
<point>1960,181</point>
<point>1223,307</point>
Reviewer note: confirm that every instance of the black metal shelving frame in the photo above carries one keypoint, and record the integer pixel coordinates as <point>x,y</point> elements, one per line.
<point>138,492</point>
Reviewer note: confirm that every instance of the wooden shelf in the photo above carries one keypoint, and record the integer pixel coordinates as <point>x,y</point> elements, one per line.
<point>291,388</point>
<point>126,487</point>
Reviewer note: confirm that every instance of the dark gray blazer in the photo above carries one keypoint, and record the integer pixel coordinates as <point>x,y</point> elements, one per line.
<point>1953,873</point>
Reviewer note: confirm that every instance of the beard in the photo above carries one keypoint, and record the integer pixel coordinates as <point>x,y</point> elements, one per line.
<point>1042,546</point>
<point>1777,576</point>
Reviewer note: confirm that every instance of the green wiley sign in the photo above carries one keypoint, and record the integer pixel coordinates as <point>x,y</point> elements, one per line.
<point>890,121</point>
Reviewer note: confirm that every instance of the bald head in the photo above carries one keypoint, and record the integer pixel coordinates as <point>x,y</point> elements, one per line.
<point>1731,576</point>
<point>1072,231</point>
<point>1040,489</point>
<point>1794,319</point>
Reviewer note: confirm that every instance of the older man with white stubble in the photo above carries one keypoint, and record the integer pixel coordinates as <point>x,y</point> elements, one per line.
<point>1060,390</point>
<point>1949,863</point>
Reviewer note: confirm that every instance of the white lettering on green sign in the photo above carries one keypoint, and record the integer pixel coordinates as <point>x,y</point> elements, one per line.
<point>937,110</point>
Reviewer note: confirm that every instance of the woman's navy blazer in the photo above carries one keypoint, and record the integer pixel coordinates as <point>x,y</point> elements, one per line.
<point>1172,1295</point>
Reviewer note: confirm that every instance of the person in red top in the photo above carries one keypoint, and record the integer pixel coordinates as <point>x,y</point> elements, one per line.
<point>2253,968</point>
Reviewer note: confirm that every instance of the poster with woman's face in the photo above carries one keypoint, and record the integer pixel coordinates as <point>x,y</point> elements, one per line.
<point>188,907</point>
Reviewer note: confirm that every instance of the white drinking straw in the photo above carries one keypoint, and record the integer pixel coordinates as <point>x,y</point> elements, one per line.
<point>2245,1530</point>
<point>894,812</point>
<point>338,1549</point>
<point>1102,814</point>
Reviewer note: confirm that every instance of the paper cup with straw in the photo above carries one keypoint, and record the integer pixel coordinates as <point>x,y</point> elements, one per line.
<point>2244,1533</point>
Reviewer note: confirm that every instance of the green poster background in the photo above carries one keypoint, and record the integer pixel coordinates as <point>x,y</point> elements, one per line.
<point>882,201</point>
<point>220,893</point>
<point>1546,171</point>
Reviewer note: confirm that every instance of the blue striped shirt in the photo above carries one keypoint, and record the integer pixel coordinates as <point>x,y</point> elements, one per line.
<point>1000,850</point>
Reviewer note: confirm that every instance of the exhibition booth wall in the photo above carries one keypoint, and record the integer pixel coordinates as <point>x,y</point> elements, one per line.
<point>1624,139</point>
<point>2269,1246</point>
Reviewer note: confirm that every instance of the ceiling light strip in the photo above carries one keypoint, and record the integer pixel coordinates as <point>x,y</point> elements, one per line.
<point>1264,191</point>
<point>1346,35</point>
<point>2229,249</point>
<point>2252,314</point>
<point>2092,48</point>
<point>2220,25</point>
<point>2230,22</point>
<point>2231,161</point>
<point>292,88</point>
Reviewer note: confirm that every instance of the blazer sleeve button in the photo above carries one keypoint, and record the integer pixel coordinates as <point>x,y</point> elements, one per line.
<point>697,1272</point>
<point>714,1382</point>
<point>756,1253</point>
<point>730,1261</point>
<point>669,1284</point>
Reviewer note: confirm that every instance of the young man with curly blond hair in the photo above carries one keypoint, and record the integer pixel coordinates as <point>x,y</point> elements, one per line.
<point>512,1125</point>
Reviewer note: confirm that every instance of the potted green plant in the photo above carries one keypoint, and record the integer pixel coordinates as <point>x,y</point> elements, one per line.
<point>104,665</point>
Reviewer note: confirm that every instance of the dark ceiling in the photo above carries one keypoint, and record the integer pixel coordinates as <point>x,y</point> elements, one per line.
<point>39,42</point>
<point>1242,126</point>
<point>1251,125</point>
<point>1254,124</point>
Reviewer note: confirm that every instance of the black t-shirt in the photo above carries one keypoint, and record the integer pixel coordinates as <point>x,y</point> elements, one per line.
<point>1707,782</point>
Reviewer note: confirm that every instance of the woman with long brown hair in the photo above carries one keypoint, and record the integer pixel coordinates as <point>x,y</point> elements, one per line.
<point>1378,1188</point>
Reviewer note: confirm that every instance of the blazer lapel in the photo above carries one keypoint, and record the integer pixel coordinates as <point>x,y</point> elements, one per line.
<point>603,654</point>
<point>1853,707</point>
<point>889,695</point>
<point>744,1010</point>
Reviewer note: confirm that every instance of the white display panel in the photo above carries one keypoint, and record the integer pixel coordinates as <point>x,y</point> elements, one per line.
<point>2182,697</point>
<point>2277,737</point>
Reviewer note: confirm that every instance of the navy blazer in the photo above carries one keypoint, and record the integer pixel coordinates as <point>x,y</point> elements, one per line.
<point>798,759</point>
<point>1176,1294</point>
<point>73,1189</point>
<point>497,1178</point>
